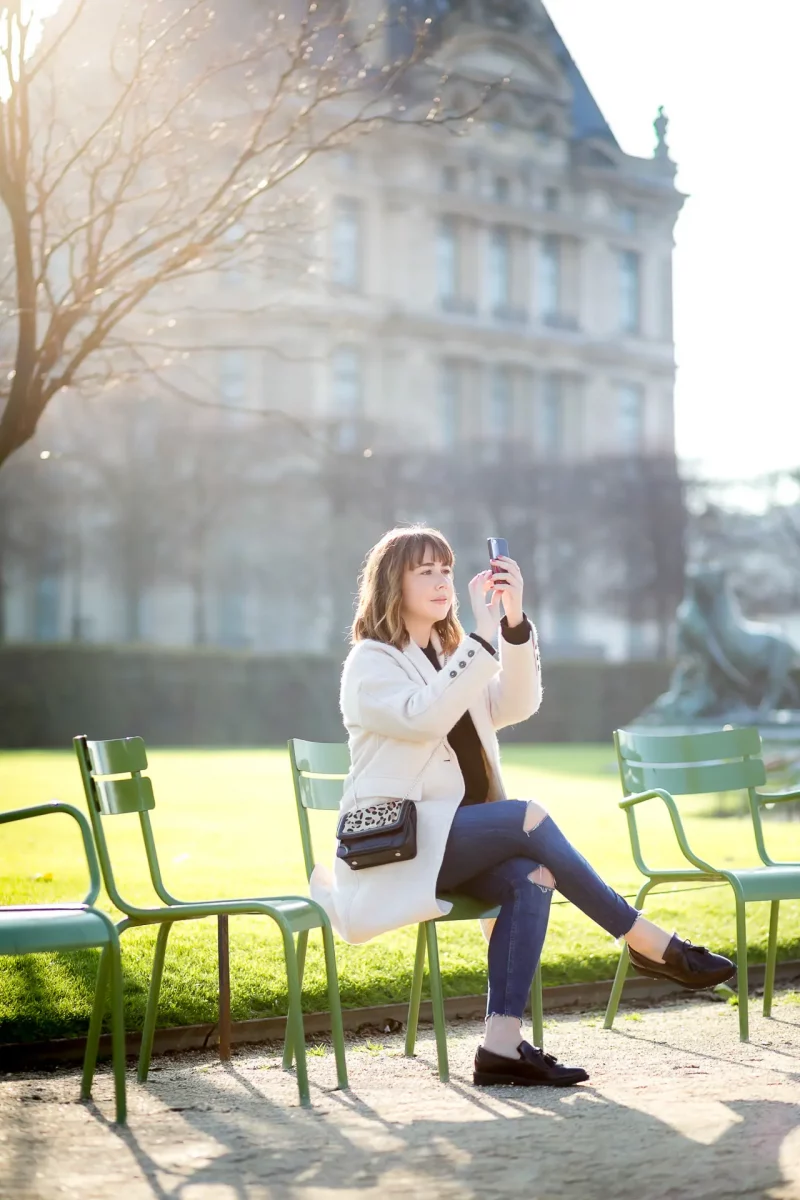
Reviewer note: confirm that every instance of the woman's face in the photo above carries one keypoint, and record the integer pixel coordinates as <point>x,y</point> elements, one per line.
<point>427,591</point>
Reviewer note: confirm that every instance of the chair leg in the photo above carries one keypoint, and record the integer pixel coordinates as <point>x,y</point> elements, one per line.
<point>616,990</point>
<point>334,1004</point>
<point>149,1027</point>
<point>537,1010</point>
<point>437,1001</point>
<point>288,1045</point>
<point>622,967</point>
<point>95,1023</point>
<point>294,1020</point>
<point>772,955</point>
<point>741,969</point>
<point>416,993</point>
<point>118,1033</point>
<point>224,970</point>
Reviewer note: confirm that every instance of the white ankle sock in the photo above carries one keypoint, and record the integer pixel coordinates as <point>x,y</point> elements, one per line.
<point>648,939</point>
<point>503,1035</point>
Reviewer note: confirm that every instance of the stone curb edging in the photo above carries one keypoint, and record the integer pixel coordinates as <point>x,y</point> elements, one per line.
<point>23,1056</point>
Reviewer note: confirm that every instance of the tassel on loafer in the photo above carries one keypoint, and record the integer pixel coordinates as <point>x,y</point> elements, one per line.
<point>533,1068</point>
<point>693,967</point>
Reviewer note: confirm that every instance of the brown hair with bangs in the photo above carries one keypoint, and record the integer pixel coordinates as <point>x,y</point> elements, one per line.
<point>380,587</point>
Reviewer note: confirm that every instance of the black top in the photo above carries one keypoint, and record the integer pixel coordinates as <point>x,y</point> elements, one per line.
<point>463,737</point>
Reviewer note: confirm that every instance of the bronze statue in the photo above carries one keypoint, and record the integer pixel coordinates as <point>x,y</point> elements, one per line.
<point>729,668</point>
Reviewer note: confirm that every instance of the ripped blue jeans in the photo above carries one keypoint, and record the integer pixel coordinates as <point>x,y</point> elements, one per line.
<point>491,855</point>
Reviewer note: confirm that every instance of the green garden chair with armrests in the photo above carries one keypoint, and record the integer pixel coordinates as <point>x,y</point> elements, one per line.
<point>114,786</point>
<point>318,772</point>
<point>658,767</point>
<point>35,929</point>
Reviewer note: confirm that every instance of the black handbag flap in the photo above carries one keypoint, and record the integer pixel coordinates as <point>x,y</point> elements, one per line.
<point>383,817</point>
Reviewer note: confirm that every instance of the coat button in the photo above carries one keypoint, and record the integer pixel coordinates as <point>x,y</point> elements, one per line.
<point>470,654</point>
<point>462,664</point>
<point>453,674</point>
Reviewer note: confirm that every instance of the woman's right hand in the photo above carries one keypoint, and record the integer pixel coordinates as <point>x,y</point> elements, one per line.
<point>487,616</point>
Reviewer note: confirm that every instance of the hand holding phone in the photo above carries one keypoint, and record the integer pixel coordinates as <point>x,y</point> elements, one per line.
<point>498,548</point>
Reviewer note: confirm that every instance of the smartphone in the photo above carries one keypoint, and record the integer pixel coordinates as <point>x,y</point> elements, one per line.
<point>498,547</point>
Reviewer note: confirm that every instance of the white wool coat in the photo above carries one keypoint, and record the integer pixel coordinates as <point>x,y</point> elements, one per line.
<point>398,711</point>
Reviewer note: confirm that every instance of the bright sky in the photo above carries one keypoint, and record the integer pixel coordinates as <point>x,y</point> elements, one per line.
<point>34,13</point>
<point>724,71</point>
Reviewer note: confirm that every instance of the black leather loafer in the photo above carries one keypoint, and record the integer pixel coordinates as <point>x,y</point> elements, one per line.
<point>693,967</point>
<point>533,1068</point>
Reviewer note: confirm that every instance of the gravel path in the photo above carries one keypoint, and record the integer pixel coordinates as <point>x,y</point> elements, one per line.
<point>676,1107</point>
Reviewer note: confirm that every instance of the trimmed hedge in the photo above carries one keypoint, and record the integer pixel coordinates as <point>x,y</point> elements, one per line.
<point>221,698</point>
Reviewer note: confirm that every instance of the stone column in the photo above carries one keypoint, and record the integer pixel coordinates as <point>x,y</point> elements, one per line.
<point>520,271</point>
<point>472,260</point>
<point>595,288</point>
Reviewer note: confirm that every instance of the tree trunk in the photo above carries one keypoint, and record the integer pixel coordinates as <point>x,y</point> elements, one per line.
<point>133,613</point>
<point>199,608</point>
<point>2,593</point>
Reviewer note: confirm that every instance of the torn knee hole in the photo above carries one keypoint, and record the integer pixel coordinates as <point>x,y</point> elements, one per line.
<point>534,816</point>
<point>544,878</point>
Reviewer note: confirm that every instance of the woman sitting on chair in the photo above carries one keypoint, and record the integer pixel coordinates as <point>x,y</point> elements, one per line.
<point>421,703</point>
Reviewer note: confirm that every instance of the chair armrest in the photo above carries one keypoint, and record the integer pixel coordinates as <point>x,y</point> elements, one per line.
<point>776,797</point>
<point>764,800</point>
<point>57,806</point>
<point>640,797</point>
<point>629,803</point>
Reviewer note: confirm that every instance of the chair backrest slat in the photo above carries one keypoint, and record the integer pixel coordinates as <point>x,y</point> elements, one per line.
<point>693,779</point>
<point>319,769</point>
<point>321,794</point>
<point>318,773</point>
<point>122,756</point>
<point>689,747</point>
<point>118,796</point>
<point>113,797</point>
<point>723,760</point>
<point>321,758</point>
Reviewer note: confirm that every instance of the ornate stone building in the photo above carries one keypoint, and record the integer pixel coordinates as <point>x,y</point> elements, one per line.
<point>510,285</point>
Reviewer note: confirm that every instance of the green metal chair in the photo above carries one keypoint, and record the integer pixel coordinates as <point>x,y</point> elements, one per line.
<point>318,771</point>
<point>133,793</point>
<point>37,929</point>
<point>655,767</point>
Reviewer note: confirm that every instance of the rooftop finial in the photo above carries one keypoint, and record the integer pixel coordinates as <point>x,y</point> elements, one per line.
<point>661,125</point>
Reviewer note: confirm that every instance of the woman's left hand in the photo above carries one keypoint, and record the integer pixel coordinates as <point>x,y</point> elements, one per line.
<point>509,585</point>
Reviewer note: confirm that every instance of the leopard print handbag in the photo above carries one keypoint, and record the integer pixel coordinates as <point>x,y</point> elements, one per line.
<point>384,831</point>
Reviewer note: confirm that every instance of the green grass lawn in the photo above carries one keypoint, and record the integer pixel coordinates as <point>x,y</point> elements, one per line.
<point>225,826</point>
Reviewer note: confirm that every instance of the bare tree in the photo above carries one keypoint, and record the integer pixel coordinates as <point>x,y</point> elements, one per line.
<point>147,142</point>
<point>638,524</point>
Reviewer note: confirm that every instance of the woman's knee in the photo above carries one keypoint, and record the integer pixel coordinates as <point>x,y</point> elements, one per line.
<point>535,813</point>
<point>544,878</point>
<point>520,873</point>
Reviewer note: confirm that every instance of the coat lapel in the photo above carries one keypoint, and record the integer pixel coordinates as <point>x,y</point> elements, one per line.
<point>478,711</point>
<point>421,661</point>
